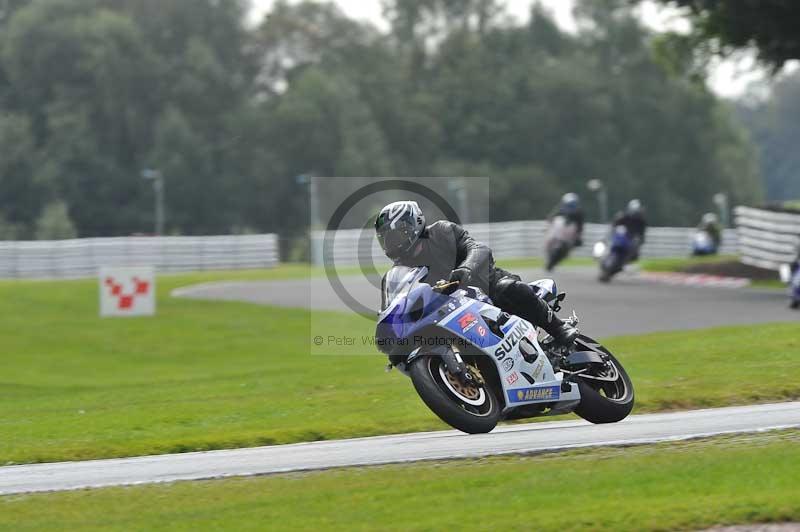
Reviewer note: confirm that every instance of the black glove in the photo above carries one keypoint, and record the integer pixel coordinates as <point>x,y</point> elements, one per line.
<point>461,275</point>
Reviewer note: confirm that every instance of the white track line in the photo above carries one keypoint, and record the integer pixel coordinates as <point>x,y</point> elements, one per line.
<point>512,439</point>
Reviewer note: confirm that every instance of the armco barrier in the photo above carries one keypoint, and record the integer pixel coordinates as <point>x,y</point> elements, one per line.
<point>520,240</point>
<point>767,239</point>
<point>82,257</point>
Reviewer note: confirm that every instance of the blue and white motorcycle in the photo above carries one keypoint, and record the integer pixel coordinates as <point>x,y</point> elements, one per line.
<point>474,365</point>
<point>791,276</point>
<point>614,255</point>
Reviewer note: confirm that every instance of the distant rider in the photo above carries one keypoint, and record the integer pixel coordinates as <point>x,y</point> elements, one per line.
<point>451,253</point>
<point>632,218</point>
<point>710,224</point>
<point>570,208</point>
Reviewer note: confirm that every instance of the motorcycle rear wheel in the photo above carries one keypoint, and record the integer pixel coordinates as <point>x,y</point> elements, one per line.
<point>604,401</point>
<point>474,410</point>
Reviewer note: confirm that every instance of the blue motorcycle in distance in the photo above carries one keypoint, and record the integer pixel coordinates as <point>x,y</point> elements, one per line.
<point>473,364</point>
<point>614,255</point>
<point>791,276</point>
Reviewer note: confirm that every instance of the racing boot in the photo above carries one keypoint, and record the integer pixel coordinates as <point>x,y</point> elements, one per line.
<point>564,334</point>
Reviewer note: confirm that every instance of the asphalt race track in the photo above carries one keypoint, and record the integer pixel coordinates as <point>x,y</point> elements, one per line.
<point>629,305</point>
<point>514,439</point>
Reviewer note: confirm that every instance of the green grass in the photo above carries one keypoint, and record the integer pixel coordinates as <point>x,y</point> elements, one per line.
<point>674,264</point>
<point>536,262</point>
<point>208,375</point>
<point>689,486</point>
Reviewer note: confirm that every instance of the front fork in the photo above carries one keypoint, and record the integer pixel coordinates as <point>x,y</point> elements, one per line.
<point>453,363</point>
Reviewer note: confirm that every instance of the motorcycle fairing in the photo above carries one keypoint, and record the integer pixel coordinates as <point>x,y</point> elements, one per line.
<point>523,382</point>
<point>535,380</point>
<point>467,321</point>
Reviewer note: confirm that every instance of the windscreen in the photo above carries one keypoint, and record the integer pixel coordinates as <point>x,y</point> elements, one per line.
<point>399,280</point>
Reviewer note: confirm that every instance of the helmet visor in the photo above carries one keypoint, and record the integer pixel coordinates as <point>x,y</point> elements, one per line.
<point>398,239</point>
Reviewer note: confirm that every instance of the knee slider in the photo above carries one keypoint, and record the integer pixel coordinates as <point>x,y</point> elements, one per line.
<point>513,291</point>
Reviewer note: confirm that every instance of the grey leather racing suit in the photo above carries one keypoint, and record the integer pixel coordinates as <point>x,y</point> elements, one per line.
<point>445,246</point>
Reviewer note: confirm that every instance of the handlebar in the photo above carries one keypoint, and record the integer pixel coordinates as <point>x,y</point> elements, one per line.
<point>446,288</point>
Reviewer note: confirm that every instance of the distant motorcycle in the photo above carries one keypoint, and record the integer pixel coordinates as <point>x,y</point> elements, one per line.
<point>473,364</point>
<point>792,278</point>
<point>613,255</point>
<point>562,235</point>
<point>703,244</point>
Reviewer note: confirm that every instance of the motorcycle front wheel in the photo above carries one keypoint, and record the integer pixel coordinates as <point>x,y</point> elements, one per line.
<point>610,266</point>
<point>473,409</point>
<point>556,254</point>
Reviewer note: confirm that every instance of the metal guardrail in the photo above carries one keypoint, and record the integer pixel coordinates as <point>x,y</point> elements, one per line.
<point>521,239</point>
<point>767,239</point>
<point>82,257</point>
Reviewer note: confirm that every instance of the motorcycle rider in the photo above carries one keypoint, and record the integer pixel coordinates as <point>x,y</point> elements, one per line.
<point>632,218</point>
<point>710,224</point>
<point>570,208</point>
<point>451,253</point>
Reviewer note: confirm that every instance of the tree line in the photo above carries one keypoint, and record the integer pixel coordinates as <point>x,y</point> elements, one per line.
<point>94,91</point>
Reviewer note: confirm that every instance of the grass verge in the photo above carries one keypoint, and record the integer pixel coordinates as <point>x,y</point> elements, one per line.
<point>677,264</point>
<point>725,265</point>
<point>689,485</point>
<point>209,375</point>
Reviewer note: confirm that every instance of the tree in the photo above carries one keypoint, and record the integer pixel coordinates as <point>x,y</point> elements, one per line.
<point>20,194</point>
<point>769,25</point>
<point>774,125</point>
<point>55,223</point>
<point>93,91</point>
<point>96,80</point>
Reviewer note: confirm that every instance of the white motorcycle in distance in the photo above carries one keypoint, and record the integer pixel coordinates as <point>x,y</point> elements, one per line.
<point>791,278</point>
<point>562,235</point>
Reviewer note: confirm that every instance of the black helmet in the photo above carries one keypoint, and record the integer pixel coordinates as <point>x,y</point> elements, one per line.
<point>399,226</point>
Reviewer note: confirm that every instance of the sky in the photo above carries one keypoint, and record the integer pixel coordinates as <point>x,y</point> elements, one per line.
<point>728,78</point>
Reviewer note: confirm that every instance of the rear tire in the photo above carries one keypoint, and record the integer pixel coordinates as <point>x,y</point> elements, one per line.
<point>444,402</point>
<point>605,402</point>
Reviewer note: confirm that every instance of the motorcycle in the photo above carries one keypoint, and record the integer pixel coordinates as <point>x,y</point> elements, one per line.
<point>561,238</point>
<point>473,364</point>
<point>703,244</point>
<point>792,278</point>
<point>614,255</point>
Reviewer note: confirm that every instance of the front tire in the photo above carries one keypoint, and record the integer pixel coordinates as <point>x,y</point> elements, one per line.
<point>558,252</point>
<point>604,401</point>
<point>609,267</point>
<point>473,410</point>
